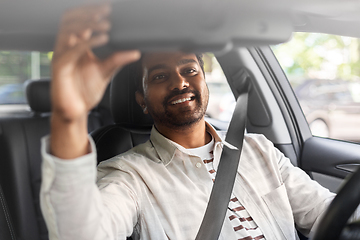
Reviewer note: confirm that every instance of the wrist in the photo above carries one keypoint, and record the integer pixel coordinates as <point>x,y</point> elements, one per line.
<point>67,118</point>
<point>69,139</point>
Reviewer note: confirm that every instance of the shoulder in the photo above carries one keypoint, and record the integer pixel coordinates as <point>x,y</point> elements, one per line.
<point>257,148</point>
<point>258,142</point>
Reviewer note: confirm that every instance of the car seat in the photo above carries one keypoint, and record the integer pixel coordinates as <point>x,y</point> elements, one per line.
<point>20,158</point>
<point>20,163</point>
<point>6,227</point>
<point>131,126</point>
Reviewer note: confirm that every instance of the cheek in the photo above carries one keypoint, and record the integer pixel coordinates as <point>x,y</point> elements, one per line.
<point>154,95</point>
<point>204,89</point>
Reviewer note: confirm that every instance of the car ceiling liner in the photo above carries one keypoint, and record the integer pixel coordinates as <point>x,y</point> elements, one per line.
<point>186,25</point>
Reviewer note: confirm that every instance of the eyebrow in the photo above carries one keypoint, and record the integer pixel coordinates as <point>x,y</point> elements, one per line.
<point>164,66</point>
<point>185,61</point>
<point>159,66</point>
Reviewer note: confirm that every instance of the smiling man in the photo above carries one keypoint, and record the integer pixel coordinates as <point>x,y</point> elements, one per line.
<point>159,189</point>
<point>174,92</point>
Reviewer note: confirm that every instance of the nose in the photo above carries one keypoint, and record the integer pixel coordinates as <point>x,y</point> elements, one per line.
<point>178,82</point>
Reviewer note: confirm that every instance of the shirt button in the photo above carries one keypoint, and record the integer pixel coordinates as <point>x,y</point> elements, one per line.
<point>198,165</point>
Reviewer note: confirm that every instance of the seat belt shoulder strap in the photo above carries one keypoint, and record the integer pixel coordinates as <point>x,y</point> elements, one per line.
<point>226,173</point>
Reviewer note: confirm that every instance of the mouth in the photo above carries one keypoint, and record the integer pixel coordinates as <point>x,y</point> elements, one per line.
<point>182,100</point>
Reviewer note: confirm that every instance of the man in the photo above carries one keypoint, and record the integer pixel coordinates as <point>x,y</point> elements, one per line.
<point>160,189</point>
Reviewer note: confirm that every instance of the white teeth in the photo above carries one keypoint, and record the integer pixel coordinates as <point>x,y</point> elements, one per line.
<point>180,101</point>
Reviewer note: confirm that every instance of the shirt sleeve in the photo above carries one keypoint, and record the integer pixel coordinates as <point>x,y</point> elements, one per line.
<point>71,202</point>
<point>308,199</point>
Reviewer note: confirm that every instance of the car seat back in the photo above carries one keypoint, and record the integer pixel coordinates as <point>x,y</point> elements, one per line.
<point>131,127</point>
<point>20,158</point>
<point>6,227</point>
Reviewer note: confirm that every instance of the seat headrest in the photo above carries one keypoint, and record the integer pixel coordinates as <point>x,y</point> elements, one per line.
<point>38,95</point>
<point>39,99</point>
<point>124,107</point>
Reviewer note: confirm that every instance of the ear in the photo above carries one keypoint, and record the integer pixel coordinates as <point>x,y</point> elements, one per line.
<point>141,101</point>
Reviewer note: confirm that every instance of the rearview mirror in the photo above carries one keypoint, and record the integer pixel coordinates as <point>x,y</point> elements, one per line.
<point>196,26</point>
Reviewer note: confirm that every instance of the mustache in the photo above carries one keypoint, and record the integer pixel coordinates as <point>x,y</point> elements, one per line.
<point>177,92</point>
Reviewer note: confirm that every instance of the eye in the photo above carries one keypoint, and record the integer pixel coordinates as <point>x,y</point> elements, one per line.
<point>190,71</point>
<point>159,76</point>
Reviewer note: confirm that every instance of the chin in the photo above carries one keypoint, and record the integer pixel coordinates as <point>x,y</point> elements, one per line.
<point>185,121</point>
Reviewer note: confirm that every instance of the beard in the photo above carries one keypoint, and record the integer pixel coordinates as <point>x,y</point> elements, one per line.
<point>184,117</point>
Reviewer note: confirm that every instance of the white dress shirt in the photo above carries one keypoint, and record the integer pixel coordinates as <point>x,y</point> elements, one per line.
<point>155,191</point>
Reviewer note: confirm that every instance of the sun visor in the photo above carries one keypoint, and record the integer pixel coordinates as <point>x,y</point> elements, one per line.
<point>196,26</point>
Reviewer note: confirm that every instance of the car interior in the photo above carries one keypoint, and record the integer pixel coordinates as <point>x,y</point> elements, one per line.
<point>118,123</point>
<point>20,145</point>
<point>22,178</point>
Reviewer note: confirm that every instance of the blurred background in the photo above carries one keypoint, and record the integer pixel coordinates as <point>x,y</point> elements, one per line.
<point>323,70</point>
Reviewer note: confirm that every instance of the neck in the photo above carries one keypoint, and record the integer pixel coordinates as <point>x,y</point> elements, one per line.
<point>193,136</point>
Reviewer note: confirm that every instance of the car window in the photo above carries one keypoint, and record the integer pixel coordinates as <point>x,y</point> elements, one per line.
<point>324,72</point>
<point>15,68</point>
<point>221,100</point>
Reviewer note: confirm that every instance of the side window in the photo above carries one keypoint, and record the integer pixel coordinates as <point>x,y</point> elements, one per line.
<point>17,67</point>
<point>324,71</point>
<point>221,100</point>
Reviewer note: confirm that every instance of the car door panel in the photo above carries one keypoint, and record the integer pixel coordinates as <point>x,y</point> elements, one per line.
<point>327,160</point>
<point>330,157</point>
<point>329,182</point>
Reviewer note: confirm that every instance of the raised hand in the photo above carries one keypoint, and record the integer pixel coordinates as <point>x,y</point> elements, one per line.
<point>79,78</point>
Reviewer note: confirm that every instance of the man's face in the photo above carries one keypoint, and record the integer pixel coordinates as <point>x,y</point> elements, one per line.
<point>175,92</point>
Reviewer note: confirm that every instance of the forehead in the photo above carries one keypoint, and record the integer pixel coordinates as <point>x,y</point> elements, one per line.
<point>167,59</point>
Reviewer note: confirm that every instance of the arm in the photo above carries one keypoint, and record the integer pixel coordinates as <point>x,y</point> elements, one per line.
<point>290,194</point>
<point>309,200</point>
<point>70,200</point>
<point>75,207</point>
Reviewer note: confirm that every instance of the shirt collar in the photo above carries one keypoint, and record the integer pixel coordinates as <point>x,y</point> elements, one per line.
<point>166,149</point>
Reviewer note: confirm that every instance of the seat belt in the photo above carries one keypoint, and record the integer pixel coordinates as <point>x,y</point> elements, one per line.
<point>229,161</point>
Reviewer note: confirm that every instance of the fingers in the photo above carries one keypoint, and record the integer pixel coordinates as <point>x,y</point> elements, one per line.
<point>118,60</point>
<point>94,17</point>
<point>81,30</point>
<point>86,26</point>
<point>88,11</point>
<point>78,50</point>
<point>80,26</point>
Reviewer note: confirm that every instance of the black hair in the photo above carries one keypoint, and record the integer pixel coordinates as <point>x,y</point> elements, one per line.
<point>136,70</point>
